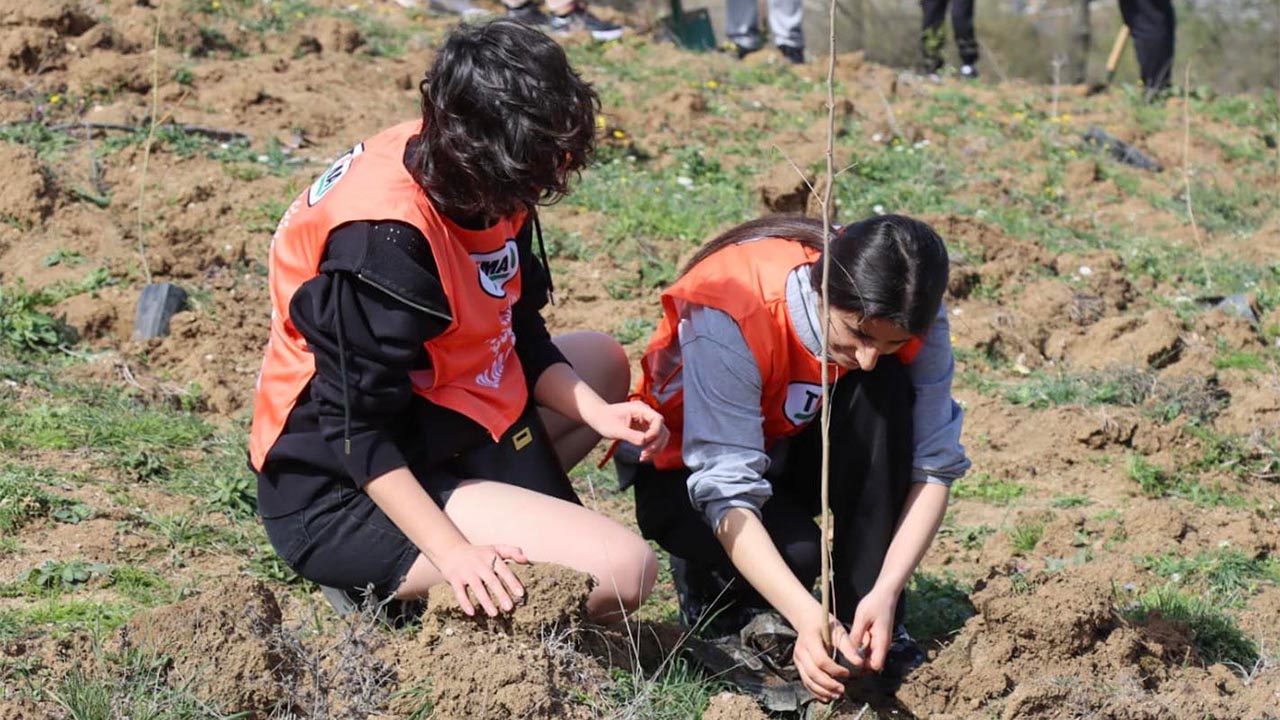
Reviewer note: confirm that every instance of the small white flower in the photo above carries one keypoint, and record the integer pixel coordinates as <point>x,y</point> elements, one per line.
<point>897,148</point>
<point>1176,577</point>
<point>683,181</point>
<point>1085,270</point>
<point>264,159</point>
<point>877,137</point>
<point>1224,543</point>
<point>957,311</point>
<point>877,209</point>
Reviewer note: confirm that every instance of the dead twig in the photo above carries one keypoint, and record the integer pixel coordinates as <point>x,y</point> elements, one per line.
<point>826,321</point>
<point>1186,173</point>
<point>146,151</point>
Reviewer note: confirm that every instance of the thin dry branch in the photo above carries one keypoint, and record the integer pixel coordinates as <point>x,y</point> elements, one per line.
<point>146,151</point>
<point>1186,173</point>
<point>826,323</point>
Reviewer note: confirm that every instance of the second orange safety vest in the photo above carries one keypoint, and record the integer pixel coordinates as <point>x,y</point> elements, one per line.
<point>747,281</point>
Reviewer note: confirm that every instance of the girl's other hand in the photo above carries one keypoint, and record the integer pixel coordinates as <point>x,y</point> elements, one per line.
<point>482,570</point>
<point>872,629</point>
<point>633,422</point>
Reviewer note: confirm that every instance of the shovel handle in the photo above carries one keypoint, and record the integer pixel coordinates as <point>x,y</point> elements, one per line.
<point>1116,48</point>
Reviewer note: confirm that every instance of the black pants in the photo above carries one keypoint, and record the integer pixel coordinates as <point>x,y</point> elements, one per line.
<point>933,35</point>
<point>1152,24</point>
<point>871,454</point>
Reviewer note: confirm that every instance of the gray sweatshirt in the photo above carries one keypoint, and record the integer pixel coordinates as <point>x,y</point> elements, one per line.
<point>724,445</point>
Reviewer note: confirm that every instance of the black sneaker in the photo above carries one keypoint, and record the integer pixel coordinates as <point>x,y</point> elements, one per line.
<point>793,53</point>
<point>529,14</point>
<point>706,600</point>
<point>905,655</point>
<point>580,19</point>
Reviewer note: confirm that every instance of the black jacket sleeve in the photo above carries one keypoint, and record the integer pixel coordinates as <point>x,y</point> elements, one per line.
<point>365,317</point>
<point>533,342</point>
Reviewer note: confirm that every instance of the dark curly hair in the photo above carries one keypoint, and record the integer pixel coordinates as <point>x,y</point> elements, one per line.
<point>507,122</point>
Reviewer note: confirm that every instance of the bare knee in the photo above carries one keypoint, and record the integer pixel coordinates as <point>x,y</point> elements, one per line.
<point>628,582</point>
<point>613,375</point>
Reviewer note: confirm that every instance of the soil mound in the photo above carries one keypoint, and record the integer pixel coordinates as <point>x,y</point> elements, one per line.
<point>525,665</point>
<point>555,599</point>
<point>1054,645</point>
<point>26,198</point>
<point>223,644</point>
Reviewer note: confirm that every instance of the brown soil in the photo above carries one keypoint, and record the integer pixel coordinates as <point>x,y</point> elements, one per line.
<point>1047,641</point>
<point>728,706</point>
<point>223,645</point>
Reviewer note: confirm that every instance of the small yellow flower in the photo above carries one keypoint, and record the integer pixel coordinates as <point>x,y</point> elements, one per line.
<point>600,122</point>
<point>55,99</point>
<point>979,114</point>
<point>619,134</point>
<point>711,84</point>
<point>1019,115</point>
<point>215,5</point>
<point>1066,118</point>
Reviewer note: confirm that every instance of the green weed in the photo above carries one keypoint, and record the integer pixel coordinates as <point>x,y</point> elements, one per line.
<point>25,329</point>
<point>1229,574</point>
<point>1215,636</point>
<point>131,684</point>
<point>937,607</point>
<point>1152,480</point>
<point>23,498</point>
<point>633,329</point>
<point>1025,537</point>
<point>79,418</point>
<point>677,692</point>
<point>987,488</point>
<point>1070,501</point>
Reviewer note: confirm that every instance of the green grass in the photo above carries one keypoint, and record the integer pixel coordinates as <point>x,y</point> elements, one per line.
<point>130,684</point>
<point>60,616</point>
<point>677,692</point>
<point>81,418</point>
<point>642,205</point>
<point>24,497</point>
<point>1026,536</point>
<point>1070,501</point>
<point>937,607</point>
<point>1214,635</point>
<point>987,488</point>
<point>1228,574</point>
<point>25,328</point>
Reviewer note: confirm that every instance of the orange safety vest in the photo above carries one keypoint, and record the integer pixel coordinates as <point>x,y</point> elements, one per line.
<point>474,369</point>
<point>747,281</point>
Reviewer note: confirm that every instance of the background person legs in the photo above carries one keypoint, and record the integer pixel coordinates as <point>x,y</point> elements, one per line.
<point>1152,24</point>
<point>966,40</point>
<point>933,34</point>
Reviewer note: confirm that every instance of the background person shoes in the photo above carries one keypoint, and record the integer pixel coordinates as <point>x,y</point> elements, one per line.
<point>580,19</point>
<point>529,14</point>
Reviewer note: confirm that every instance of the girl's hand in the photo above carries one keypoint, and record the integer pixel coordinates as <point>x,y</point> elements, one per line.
<point>872,629</point>
<point>482,570</point>
<point>634,422</point>
<point>819,672</point>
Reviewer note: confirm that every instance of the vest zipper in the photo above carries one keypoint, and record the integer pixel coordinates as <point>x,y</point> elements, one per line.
<point>416,306</point>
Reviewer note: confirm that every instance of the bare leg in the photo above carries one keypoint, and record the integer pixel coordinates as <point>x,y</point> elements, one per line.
<point>602,363</point>
<point>549,530</point>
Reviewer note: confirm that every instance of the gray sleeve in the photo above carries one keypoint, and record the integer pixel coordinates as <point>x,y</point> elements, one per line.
<point>723,424</point>
<point>937,418</point>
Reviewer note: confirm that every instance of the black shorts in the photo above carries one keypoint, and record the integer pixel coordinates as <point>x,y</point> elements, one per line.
<point>342,539</point>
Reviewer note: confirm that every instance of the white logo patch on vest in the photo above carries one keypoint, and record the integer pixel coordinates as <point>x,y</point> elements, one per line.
<point>496,268</point>
<point>336,171</point>
<point>804,401</point>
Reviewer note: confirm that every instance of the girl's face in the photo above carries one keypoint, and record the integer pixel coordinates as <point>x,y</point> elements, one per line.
<point>857,343</point>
